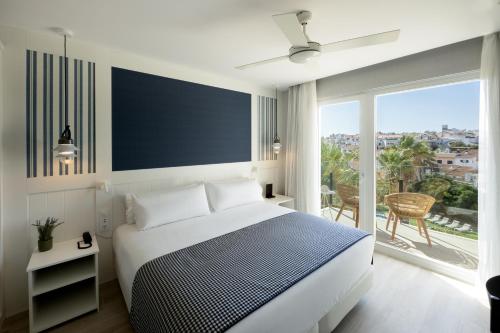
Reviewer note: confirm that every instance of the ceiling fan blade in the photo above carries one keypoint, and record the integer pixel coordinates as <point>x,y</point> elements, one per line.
<point>262,62</point>
<point>380,38</point>
<point>291,27</point>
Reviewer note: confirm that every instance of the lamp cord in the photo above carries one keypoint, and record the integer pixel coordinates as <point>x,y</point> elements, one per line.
<point>65,85</point>
<point>276,116</point>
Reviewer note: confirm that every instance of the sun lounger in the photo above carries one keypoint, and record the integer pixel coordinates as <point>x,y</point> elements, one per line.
<point>453,225</point>
<point>464,228</point>
<point>444,221</point>
<point>436,218</point>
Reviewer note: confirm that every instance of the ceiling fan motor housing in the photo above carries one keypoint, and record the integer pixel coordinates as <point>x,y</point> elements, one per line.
<point>304,16</point>
<point>300,55</point>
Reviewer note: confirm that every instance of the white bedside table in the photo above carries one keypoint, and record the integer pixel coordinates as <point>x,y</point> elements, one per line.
<point>63,283</point>
<point>280,200</point>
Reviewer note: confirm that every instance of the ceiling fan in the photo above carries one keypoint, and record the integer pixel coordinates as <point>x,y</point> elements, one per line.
<point>303,49</point>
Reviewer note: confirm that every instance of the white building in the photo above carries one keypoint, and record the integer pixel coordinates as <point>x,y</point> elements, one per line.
<point>388,140</point>
<point>466,159</point>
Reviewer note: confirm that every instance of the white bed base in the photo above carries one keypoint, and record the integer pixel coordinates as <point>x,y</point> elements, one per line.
<point>330,320</point>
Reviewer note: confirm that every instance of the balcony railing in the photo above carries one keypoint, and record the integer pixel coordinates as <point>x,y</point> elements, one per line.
<point>447,247</point>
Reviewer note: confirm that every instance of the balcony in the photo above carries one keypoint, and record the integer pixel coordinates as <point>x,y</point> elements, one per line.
<point>449,248</point>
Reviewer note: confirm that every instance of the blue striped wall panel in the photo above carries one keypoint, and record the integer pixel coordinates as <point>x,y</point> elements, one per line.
<point>46,109</point>
<point>268,120</point>
<point>160,122</point>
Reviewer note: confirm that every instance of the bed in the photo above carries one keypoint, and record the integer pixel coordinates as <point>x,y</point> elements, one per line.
<point>316,303</point>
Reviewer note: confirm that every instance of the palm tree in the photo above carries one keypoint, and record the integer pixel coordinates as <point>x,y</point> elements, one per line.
<point>419,152</point>
<point>396,166</point>
<point>339,163</point>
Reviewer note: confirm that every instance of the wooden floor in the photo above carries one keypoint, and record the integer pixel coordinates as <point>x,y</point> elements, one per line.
<point>404,298</point>
<point>409,299</point>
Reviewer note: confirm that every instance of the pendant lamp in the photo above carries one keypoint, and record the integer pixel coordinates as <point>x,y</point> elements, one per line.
<point>66,150</point>
<point>276,142</point>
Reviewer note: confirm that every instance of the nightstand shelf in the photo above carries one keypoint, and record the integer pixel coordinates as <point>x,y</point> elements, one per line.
<point>63,284</point>
<point>62,304</point>
<point>58,276</point>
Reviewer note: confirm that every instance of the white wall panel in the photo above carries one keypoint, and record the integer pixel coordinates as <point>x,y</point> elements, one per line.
<point>265,172</point>
<point>79,213</point>
<point>37,209</point>
<point>76,208</point>
<point>56,204</point>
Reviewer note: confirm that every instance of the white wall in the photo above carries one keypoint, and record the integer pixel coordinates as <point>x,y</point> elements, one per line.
<point>73,197</point>
<point>451,59</point>
<point>1,181</point>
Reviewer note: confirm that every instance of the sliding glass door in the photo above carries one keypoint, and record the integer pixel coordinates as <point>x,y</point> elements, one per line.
<point>340,168</point>
<point>402,163</point>
<point>427,149</point>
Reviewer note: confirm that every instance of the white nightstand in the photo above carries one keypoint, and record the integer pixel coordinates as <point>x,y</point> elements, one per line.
<point>280,200</point>
<point>63,283</point>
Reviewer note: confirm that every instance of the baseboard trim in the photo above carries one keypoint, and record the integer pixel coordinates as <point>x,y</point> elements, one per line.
<point>20,316</point>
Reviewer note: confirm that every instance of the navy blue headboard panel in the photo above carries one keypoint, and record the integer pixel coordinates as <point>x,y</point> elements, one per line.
<point>159,122</point>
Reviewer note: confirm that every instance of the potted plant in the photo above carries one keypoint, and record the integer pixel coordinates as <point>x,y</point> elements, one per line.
<point>45,232</point>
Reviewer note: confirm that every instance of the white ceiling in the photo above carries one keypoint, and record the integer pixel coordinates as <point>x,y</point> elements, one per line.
<point>217,35</point>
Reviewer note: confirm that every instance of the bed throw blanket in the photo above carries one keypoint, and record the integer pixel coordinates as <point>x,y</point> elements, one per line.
<point>211,286</point>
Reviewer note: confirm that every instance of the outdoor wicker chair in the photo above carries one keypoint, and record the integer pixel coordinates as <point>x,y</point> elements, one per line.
<point>349,195</point>
<point>410,206</point>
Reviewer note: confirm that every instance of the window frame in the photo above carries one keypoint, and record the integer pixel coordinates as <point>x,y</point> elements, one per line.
<point>368,143</point>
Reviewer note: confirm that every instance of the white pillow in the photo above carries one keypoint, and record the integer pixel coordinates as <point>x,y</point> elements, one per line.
<point>227,194</point>
<point>157,208</point>
<point>129,208</point>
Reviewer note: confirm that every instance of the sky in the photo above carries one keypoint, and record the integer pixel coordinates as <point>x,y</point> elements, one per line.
<point>456,105</point>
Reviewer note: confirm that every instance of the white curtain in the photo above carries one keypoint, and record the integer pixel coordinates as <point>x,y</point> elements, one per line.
<point>489,160</point>
<point>302,166</point>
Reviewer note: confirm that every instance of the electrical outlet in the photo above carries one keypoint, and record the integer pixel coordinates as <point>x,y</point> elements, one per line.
<point>104,224</point>
<point>104,212</point>
<point>104,227</point>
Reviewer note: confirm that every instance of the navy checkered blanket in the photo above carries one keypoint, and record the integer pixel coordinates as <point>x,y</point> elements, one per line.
<point>211,286</point>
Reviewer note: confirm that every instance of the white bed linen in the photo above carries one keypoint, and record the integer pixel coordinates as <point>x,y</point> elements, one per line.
<point>296,310</point>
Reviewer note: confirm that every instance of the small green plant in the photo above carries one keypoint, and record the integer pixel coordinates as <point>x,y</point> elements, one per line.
<point>45,229</point>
